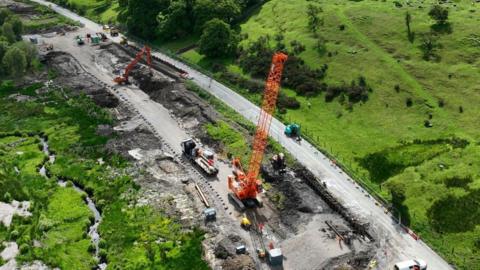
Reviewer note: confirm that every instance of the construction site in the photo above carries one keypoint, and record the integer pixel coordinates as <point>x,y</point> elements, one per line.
<point>294,223</point>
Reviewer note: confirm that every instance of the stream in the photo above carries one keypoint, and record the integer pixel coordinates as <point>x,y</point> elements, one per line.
<point>93,229</point>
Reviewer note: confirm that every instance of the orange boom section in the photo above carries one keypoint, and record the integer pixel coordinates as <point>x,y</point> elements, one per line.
<point>247,186</point>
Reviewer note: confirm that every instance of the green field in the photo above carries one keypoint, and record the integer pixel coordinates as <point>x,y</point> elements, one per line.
<point>104,11</point>
<point>421,161</point>
<point>56,233</point>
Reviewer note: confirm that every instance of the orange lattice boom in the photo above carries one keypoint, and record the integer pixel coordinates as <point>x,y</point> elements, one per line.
<point>248,185</point>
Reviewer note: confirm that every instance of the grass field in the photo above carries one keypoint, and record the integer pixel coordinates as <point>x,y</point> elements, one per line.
<point>374,44</point>
<point>104,11</point>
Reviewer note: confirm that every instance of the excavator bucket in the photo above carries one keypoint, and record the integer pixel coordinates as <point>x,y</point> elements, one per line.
<point>120,80</point>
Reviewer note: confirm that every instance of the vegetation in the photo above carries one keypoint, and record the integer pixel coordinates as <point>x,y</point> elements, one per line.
<point>17,56</point>
<point>60,217</point>
<point>217,39</point>
<point>361,42</point>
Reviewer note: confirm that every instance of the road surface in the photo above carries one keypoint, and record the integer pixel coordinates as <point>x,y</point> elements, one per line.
<point>398,244</point>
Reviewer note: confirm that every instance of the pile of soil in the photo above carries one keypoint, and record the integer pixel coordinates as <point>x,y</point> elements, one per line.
<point>242,262</point>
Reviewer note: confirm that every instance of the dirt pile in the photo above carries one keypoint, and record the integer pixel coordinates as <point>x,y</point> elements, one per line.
<point>242,262</point>
<point>66,71</point>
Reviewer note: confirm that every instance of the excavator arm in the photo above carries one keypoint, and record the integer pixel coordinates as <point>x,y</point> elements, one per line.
<point>145,51</point>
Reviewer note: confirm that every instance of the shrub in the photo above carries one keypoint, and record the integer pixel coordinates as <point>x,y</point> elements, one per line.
<point>397,88</point>
<point>409,102</point>
<point>441,103</point>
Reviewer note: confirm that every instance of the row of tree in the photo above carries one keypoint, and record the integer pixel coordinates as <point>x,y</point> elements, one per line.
<point>16,56</point>
<point>170,19</point>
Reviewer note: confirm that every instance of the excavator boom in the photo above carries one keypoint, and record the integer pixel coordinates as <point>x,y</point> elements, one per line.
<point>145,51</point>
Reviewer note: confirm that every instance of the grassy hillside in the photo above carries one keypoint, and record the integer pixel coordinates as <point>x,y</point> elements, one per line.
<point>384,140</point>
<point>104,11</point>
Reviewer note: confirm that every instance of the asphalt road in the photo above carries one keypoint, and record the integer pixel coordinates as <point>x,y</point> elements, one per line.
<point>396,244</point>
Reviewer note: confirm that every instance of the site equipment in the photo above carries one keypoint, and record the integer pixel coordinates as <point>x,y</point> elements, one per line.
<point>292,130</point>
<point>278,162</point>
<point>261,253</point>
<point>411,265</point>
<point>203,158</point>
<point>138,57</point>
<point>245,187</point>
<point>80,40</point>
<point>114,32</point>
<point>95,40</point>
<point>245,223</point>
<point>242,249</point>
<point>275,257</point>
<point>124,41</point>
<point>210,214</point>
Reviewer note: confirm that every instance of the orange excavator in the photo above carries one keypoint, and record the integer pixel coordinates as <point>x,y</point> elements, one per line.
<point>145,51</point>
<point>245,187</point>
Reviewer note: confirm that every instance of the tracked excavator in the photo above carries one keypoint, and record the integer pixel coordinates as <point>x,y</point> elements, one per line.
<point>246,186</point>
<point>145,51</point>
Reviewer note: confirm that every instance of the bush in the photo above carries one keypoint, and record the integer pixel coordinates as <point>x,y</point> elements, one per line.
<point>355,92</point>
<point>409,102</point>
<point>7,197</point>
<point>257,57</point>
<point>287,102</point>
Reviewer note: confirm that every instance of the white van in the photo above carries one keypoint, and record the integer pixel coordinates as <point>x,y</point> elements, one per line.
<point>411,265</point>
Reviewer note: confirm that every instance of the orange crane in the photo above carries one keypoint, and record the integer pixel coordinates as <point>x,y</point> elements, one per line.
<point>245,187</point>
<point>145,51</point>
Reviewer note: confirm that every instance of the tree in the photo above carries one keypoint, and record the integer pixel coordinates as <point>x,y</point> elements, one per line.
<point>29,49</point>
<point>4,13</point>
<point>3,49</point>
<point>217,39</point>
<point>206,10</point>
<point>139,16</point>
<point>439,13</point>
<point>17,26</point>
<point>7,32</point>
<point>429,47</point>
<point>15,62</point>
<point>176,21</point>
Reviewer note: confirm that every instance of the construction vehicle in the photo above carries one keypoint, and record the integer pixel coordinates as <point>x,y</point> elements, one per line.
<point>203,158</point>
<point>292,130</point>
<point>417,264</point>
<point>138,57</point>
<point>124,41</point>
<point>261,253</point>
<point>210,214</point>
<point>114,32</point>
<point>95,40</point>
<point>245,187</point>
<point>278,162</point>
<point>80,40</point>
<point>102,36</point>
<point>245,223</point>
